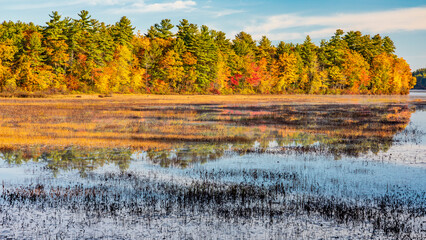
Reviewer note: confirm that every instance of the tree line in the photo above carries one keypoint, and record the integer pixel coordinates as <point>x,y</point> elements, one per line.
<point>85,55</point>
<point>420,75</point>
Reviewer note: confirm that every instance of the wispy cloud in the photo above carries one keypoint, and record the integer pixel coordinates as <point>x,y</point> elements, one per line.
<point>104,2</point>
<point>142,7</point>
<point>279,26</point>
<point>38,5</point>
<point>61,3</point>
<point>116,6</point>
<point>226,12</point>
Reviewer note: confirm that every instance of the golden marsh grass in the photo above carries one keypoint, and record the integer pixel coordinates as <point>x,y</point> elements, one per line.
<point>163,122</point>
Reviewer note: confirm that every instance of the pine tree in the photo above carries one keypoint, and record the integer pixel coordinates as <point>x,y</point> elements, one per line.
<point>55,43</point>
<point>243,44</point>
<point>162,30</point>
<point>122,32</point>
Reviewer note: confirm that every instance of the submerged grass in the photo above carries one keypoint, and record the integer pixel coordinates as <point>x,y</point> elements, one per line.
<point>86,133</point>
<point>130,196</point>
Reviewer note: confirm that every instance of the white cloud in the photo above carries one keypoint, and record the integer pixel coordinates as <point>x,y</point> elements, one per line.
<point>104,2</point>
<point>142,7</point>
<point>226,12</point>
<point>116,6</point>
<point>38,5</point>
<point>408,19</point>
<point>61,3</point>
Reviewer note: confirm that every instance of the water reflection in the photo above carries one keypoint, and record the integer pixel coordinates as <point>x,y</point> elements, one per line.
<point>323,129</point>
<point>272,167</point>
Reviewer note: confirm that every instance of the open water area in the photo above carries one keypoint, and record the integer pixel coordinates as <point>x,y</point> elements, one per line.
<point>260,170</point>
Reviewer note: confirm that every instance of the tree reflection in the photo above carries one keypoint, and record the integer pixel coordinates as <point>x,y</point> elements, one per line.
<point>323,129</point>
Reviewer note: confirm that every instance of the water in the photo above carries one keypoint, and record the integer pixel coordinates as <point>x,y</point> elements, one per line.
<point>293,171</point>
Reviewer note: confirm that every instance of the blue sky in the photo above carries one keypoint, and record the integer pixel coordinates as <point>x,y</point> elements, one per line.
<point>290,21</point>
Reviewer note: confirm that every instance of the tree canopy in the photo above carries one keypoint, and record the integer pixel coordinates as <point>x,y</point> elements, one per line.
<point>420,75</point>
<point>85,55</point>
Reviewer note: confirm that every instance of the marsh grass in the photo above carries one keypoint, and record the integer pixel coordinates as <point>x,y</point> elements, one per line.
<point>178,135</point>
<point>267,195</point>
<point>82,134</point>
<point>154,122</point>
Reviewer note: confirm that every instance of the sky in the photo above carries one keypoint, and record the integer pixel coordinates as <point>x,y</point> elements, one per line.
<point>404,21</point>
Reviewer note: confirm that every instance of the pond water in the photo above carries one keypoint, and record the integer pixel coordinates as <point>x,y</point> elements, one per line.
<point>260,170</point>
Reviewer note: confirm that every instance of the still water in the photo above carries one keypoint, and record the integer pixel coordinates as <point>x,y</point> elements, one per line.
<point>284,171</point>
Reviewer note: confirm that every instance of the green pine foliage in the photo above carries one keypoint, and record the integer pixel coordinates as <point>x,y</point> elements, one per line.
<point>85,55</point>
<point>420,75</point>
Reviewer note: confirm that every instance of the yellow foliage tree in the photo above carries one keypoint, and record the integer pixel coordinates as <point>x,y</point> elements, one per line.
<point>285,72</point>
<point>265,77</point>
<point>190,74</point>
<point>31,74</point>
<point>356,72</point>
<point>403,80</point>
<point>222,75</point>
<point>318,85</point>
<point>172,70</point>
<point>7,51</point>
<point>116,77</point>
<point>381,74</point>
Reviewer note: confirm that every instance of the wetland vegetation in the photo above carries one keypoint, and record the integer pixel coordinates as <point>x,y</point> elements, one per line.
<point>213,166</point>
<point>218,165</point>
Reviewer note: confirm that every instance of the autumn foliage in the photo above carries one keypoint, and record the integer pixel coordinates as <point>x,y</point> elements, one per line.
<point>85,55</point>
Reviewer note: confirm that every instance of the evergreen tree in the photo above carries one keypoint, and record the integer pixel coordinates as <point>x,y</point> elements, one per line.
<point>86,55</point>
<point>162,30</point>
<point>122,32</point>
<point>243,44</point>
<point>55,43</point>
<point>420,75</point>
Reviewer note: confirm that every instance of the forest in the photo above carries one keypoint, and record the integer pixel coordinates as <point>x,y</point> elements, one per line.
<point>85,55</point>
<point>420,75</point>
